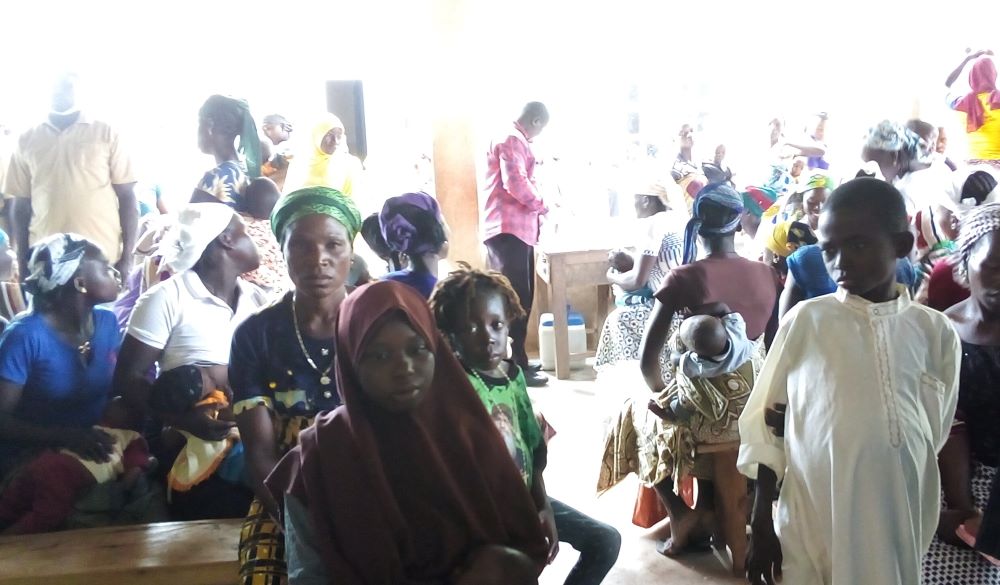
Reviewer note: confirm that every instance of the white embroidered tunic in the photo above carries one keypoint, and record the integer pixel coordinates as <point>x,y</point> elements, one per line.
<point>871,390</point>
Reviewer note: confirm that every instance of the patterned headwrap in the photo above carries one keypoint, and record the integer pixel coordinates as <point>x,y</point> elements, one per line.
<point>758,199</point>
<point>399,233</point>
<point>976,224</point>
<point>817,181</point>
<point>721,194</point>
<point>788,236</point>
<point>315,201</point>
<point>54,262</point>
<point>892,137</point>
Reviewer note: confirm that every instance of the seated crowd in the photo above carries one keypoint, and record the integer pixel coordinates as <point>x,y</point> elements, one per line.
<point>237,359</point>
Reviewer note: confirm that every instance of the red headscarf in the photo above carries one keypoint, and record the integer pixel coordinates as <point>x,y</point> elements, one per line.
<point>402,498</point>
<point>982,79</point>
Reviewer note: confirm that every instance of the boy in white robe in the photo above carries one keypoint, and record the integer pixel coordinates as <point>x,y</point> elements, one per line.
<point>868,381</point>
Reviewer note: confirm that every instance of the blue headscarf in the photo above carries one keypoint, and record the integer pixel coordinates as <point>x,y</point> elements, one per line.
<point>721,194</point>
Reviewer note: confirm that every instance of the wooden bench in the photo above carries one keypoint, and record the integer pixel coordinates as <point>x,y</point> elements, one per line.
<point>193,553</point>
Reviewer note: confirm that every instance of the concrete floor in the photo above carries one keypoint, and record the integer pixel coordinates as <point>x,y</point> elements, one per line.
<point>577,409</point>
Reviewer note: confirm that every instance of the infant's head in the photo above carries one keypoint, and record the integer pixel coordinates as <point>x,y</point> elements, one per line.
<point>178,390</point>
<point>260,197</point>
<point>704,335</point>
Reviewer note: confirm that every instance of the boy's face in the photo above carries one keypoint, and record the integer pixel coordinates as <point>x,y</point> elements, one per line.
<point>860,254</point>
<point>483,342</point>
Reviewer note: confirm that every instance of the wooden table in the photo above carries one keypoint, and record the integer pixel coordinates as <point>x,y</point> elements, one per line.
<point>564,269</point>
<point>193,553</point>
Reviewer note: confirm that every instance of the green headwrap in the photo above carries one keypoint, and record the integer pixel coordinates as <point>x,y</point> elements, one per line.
<point>233,114</point>
<point>315,201</point>
<point>250,143</point>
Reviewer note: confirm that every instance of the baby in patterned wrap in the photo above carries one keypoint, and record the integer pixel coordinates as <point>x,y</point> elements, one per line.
<point>187,388</point>
<point>710,342</point>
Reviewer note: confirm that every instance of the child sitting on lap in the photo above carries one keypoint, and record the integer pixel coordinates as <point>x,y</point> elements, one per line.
<point>179,391</point>
<point>42,496</point>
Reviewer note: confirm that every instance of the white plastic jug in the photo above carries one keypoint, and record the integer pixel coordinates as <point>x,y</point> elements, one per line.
<point>547,338</point>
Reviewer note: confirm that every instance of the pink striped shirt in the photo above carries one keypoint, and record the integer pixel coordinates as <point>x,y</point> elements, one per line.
<point>513,204</point>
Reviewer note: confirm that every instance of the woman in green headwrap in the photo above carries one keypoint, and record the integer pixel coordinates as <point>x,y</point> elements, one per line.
<point>221,120</point>
<point>281,365</point>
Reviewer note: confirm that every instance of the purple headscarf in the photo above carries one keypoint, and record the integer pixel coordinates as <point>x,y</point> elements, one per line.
<point>397,223</point>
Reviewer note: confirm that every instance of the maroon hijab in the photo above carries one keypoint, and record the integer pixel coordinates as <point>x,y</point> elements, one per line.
<point>982,79</point>
<point>402,498</point>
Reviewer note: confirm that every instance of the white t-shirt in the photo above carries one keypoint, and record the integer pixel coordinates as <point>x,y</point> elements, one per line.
<point>190,324</point>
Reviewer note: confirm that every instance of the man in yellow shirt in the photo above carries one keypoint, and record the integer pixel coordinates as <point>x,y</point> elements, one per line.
<point>71,174</point>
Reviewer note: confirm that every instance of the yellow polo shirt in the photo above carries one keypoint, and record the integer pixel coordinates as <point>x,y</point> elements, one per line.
<point>68,175</point>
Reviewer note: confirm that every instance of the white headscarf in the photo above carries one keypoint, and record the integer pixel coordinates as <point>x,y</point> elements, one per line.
<point>54,261</point>
<point>198,225</point>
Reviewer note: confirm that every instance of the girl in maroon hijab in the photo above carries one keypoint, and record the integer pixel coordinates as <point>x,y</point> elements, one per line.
<point>407,483</point>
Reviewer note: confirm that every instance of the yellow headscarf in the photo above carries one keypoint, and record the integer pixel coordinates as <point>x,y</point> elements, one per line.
<point>777,239</point>
<point>315,168</point>
<point>788,236</point>
<point>319,161</point>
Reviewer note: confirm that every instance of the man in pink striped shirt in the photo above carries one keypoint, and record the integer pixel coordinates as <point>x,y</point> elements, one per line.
<point>512,219</point>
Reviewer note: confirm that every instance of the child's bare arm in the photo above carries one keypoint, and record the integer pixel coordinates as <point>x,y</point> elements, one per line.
<point>764,557</point>
<point>775,419</point>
